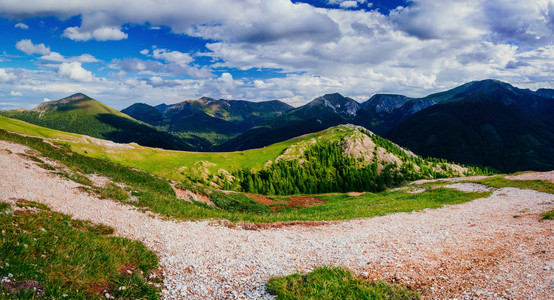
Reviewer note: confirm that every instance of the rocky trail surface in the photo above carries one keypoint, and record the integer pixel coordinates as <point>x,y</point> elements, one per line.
<point>494,247</point>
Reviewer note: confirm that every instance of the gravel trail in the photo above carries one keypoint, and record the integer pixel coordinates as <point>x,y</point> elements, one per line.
<point>488,248</point>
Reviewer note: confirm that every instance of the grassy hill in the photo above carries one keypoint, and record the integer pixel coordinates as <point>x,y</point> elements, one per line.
<point>81,114</point>
<point>339,159</point>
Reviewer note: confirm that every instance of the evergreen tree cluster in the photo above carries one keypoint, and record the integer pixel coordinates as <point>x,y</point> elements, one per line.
<point>323,169</point>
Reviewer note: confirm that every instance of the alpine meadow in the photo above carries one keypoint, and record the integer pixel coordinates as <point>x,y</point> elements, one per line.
<point>276,149</point>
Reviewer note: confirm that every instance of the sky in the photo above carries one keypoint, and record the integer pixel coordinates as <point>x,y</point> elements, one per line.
<point>164,51</point>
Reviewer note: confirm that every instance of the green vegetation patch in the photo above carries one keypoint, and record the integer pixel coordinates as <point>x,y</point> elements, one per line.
<point>548,215</point>
<point>155,193</point>
<point>344,207</point>
<point>334,283</point>
<point>49,254</point>
<point>542,186</point>
<point>30,129</point>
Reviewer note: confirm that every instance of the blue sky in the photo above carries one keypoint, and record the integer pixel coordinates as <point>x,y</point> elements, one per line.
<point>125,51</point>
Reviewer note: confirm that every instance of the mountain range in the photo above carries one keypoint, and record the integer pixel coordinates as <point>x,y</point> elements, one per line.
<point>488,123</point>
<point>79,113</point>
<point>214,120</point>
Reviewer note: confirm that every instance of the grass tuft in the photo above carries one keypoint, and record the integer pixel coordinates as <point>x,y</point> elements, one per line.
<point>61,257</point>
<point>334,283</point>
<point>548,215</point>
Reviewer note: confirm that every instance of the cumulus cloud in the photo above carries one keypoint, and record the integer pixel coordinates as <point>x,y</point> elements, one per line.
<point>175,57</point>
<point>27,46</point>
<point>222,87</point>
<point>173,63</point>
<point>74,71</point>
<point>424,47</point>
<point>250,21</point>
<point>428,19</point>
<point>6,76</point>
<point>99,34</point>
<point>22,26</point>
<point>528,22</point>
<point>348,4</point>
<point>138,65</point>
<point>340,2</point>
<point>15,93</point>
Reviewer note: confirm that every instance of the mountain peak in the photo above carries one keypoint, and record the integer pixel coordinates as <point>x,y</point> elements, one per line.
<point>386,102</point>
<point>206,99</point>
<point>76,96</point>
<point>338,103</point>
<point>62,104</point>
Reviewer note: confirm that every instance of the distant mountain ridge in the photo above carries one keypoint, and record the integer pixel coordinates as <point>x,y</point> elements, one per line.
<point>487,122</point>
<point>411,122</point>
<point>218,119</point>
<point>319,114</point>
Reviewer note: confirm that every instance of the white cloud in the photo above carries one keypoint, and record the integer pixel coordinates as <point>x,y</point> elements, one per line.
<point>57,57</point>
<point>6,76</point>
<point>84,58</point>
<point>175,57</point>
<point>54,56</point>
<point>15,93</point>
<point>46,100</point>
<point>222,87</point>
<point>29,48</point>
<point>100,34</point>
<point>251,21</point>
<point>22,26</point>
<point>426,47</point>
<point>174,63</point>
<point>75,71</point>
<point>348,4</point>
<point>138,65</point>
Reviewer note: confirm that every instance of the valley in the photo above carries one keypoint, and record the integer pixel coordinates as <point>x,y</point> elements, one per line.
<point>485,123</point>
<point>277,149</point>
<point>306,188</point>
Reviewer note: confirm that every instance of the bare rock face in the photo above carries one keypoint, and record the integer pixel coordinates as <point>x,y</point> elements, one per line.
<point>359,146</point>
<point>65,102</point>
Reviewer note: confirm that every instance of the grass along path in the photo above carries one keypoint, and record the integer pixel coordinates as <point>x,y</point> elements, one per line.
<point>463,242</point>
<point>144,190</point>
<point>45,254</point>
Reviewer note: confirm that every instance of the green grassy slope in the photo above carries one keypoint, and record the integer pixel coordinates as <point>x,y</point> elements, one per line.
<point>84,115</point>
<point>370,169</point>
<point>66,258</point>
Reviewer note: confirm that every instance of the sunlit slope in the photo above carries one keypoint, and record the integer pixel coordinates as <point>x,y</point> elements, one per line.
<point>366,151</point>
<point>81,114</point>
<point>163,162</point>
<point>34,130</point>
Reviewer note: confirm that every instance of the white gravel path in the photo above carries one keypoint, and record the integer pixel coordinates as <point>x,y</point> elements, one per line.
<point>472,250</point>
